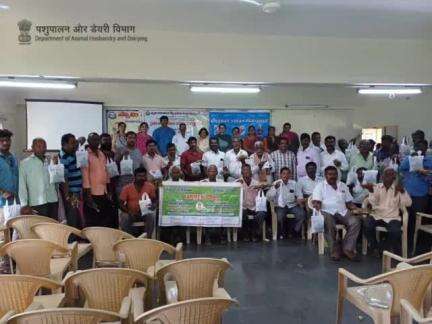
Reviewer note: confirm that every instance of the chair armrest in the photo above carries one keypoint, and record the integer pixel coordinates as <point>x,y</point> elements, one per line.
<point>125,307</point>
<point>137,302</point>
<point>7,316</point>
<point>409,313</point>
<point>143,235</point>
<point>388,257</point>
<point>424,215</point>
<point>74,256</point>
<point>34,306</point>
<point>179,251</point>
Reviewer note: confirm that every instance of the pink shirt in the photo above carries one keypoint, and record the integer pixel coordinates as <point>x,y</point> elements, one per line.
<point>95,176</point>
<point>249,194</point>
<point>141,142</point>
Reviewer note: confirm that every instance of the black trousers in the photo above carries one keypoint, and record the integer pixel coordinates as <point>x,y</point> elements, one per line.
<point>394,232</point>
<point>49,210</point>
<point>105,214</point>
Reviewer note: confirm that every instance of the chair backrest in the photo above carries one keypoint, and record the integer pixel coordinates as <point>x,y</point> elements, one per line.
<point>202,311</point>
<point>23,225</point>
<point>32,256</point>
<point>140,254</point>
<point>195,278</point>
<point>104,288</point>
<point>102,240</point>
<point>65,315</point>
<point>409,284</point>
<point>17,291</point>
<point>55,232</point>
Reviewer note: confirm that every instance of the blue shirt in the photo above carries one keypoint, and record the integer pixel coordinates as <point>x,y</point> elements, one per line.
<point>416,184</point>
<point>72,174</point>
<point>163,136</point>
<point>8,177</point>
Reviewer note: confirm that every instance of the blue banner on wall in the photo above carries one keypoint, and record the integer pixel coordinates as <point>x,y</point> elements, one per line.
<point>240,119</point>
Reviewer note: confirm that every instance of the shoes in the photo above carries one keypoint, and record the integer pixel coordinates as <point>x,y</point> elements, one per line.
<point>352,256</point>
<point>335,255</point>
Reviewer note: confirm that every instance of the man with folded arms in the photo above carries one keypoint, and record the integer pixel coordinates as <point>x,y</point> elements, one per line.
<point>333,199</point>
<point>235,159</point>
<point>385,200</point>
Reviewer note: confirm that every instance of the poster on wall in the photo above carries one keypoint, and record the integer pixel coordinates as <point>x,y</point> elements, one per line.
<point>132,119</point>
<point>241,119</point>
<point>194,119</point>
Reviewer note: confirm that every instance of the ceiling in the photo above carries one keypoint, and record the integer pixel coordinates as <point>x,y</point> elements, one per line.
<point>318,18</point>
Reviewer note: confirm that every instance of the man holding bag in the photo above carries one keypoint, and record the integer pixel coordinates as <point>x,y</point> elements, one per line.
<point>8,174</point>
<point>130,202</point>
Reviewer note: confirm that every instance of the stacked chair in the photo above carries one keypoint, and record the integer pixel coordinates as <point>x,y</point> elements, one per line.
<point>46,286</point>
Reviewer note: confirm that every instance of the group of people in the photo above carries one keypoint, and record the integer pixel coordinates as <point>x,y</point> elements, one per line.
<point>104,174</point>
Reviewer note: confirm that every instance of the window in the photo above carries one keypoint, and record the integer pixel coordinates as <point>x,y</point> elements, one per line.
<point>372,133</point>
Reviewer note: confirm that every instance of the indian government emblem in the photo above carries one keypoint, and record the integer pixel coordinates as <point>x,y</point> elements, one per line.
<point>24,27</point>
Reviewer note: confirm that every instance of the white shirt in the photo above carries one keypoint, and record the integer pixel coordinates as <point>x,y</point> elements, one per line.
<point>285,195</point>
<point>328,159</point>
<point>304,157</point>
<point>358,192</point>
<point>212,158</point>
<point>332,201</point>
<point>306,186</point>
<point>175,163</point>
<point>208,180</point>
<point>180,143</point>
<point>233,164</point>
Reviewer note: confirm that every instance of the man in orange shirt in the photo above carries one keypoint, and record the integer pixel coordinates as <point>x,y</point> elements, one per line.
<point>129,202</point>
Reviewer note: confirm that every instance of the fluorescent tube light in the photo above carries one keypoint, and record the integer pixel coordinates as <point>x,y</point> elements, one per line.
<point>4,7</point>
<point>37,85</point>
<point>226,89</point>
<point>390,91</point>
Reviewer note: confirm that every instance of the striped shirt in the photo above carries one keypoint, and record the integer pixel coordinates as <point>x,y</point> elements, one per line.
<point>287,159</point>
<point>73,174</point>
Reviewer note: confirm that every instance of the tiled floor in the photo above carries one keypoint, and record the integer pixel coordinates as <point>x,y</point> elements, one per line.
<point>284,282</point>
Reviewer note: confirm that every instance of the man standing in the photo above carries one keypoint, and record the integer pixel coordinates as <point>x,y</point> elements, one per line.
<point>180,139</point>
<point>291,137</point>
<point>72,188</point>
<point>385,152</point>
<point>35,190</point>
<point>235,159</point>
<point>334,200</point>
<point>333,157</point>
<point>252,220</point>
<point>98,208</point>
<point>190,162</point>
<point>223,139</point>
<point>129,151</point>
<point>163,135</point>
<point>307,184</point>
<point>316,142</point>
<point>171,160</point>
<point>417,183</point>
<point>130,196</point>
<point>306,154</point>
<point>153,162</point>
<point>283,158</point>
<point>214,157</point>
<point>386,199</point>
<point>8,172</point>
<point>283,194</point>
<point>363,158</point>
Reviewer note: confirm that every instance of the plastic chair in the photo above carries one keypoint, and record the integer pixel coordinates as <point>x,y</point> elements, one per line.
<point>59,234</point>
<point>23,225</point>
<point>275,223</point>
<point>409,315</point>
<point>144,254</point>
<point>191,279</point>
<point>17,294</point>
<point>65,315</point>
<point>202,311</point>
<point>109,289</point>
<point>410,284</point>
<point>402,262</point>
<point>35,258</point>
<point>419,226</point>
<point>404,229</point>
<point>102,240</point>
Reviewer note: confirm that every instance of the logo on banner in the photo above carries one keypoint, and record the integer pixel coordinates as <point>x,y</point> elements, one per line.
<point>24,27</point>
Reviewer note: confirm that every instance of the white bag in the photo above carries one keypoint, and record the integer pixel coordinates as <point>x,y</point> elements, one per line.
<point>404,148</point>
<point>56,172</point>
<point>351,177</point>
<point>145,204</point>
<point>196,168</point>
<point>156,174</point>
<point>317,222</point>
<point>11,211</point>
<point>81,158</point>
<point>370,176</point>
<point>261,202</point>
<point>126,166</point>
<point>416,162</point>
<point>112,169</point>
<point>393,165</point>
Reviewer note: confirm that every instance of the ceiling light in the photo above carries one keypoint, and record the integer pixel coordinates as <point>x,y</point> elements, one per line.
<point>271,7</point>
<point>390,91</point>
<point>36,85</point>
<point>224,89</point>
<point>4,7</point>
